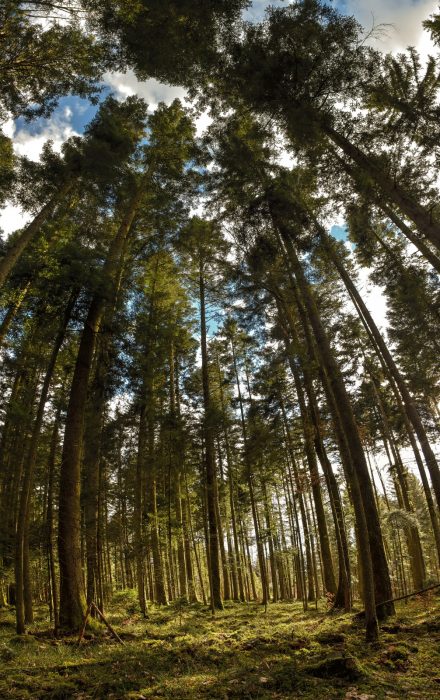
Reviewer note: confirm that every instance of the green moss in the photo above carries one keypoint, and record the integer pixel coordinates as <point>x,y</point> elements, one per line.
<point>241,653</point>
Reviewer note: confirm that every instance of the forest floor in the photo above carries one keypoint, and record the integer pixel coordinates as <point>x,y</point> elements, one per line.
<point>244,653</point>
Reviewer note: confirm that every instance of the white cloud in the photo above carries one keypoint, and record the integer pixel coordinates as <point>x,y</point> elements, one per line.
<point>202,123</point>
<point>374,298</point>
<point>30,142</point>
<point>13,218</point>
<point>152,91</point>
<point>58,130</point>
<point>405,18</point>
<point>8,128</point>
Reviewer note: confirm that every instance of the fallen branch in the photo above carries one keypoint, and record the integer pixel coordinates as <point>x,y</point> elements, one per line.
<point>83,629</point>
<point>107,624</point>
<point>410,595</point>
<point>402,597</point>
<point>93,606</point>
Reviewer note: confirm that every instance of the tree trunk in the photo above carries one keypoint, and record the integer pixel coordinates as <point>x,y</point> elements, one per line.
<point>210,466</point>
<point>408,401</point>
<point>414,211</point>
<point>72,594</point>
<point>376,581</point>
<point>260,549</point>
<point>21,242</point>
<point>28,477</point>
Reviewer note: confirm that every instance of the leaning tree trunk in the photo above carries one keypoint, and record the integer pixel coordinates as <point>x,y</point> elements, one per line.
<point>408,401</point>
<point>343,593</point>
<point>308,430</point>
<point>356,464</point>
<point>370,191</point>
<point>423,219</point>
<point>22,241</point>
<point>376,581</point>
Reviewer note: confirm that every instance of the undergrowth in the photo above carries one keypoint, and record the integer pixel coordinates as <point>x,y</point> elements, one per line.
<point>180,652</point>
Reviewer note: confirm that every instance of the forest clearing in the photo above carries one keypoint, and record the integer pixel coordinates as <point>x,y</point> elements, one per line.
<point>219,349</point>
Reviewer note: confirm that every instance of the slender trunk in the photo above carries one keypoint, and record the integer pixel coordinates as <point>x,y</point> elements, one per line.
<point>260,549</point>
<point>21,241</point>
<point>236,565</point>
<point>423,219</point>
<point>28,477</point>
<point>152,517</point>
<point>210,465</point>
<point>50,520</point>
<point>417,563</point>
<point>300,498</point>
<point>377,585</point>
<point>138,510</point>
<point>408,401</point>
<point>308,432</point>
<point>177,460</point>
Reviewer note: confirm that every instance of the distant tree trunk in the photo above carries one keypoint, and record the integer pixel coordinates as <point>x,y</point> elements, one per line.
<point>50,519</point>
<point>28,477</point>
<point>138,509</point>
<point>417,563</point>
<point>210,466</point>
<point>343,594</point>
<point>178,458</point>
<point>151,502</point>
<point>377,585</point>
<point>260,549</point>
<point>236,560</point>
<point>269,537</point>
<point>191,532</point>
<point>308,432</point>
<point>300,498</point>
<point>408,401</point>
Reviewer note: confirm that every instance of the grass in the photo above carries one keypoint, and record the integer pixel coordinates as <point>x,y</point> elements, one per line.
<point>184,654</point>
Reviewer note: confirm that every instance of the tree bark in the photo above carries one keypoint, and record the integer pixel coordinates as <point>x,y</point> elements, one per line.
<point>210,466</point>
<point>72,594</point>
<point>28,476</point>
<point>21,242</point>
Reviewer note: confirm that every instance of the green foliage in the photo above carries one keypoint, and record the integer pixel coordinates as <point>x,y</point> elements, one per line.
<point>39,65</point>
<point>243,653</point>
<point>7,164</point>
<point>166,40</point>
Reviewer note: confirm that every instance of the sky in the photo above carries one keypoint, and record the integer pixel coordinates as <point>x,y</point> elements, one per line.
<point>404,27</point>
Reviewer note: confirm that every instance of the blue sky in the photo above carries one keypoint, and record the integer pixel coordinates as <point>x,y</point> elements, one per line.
<point>78,111</point>
<point>339,232</point>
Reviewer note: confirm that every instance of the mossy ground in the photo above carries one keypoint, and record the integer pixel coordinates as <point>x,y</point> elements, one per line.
<point>244,653</point>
